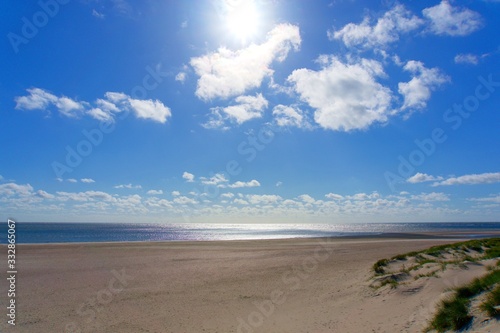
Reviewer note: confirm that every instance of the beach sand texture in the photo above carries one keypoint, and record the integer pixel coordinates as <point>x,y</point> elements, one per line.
<point>295,285</point>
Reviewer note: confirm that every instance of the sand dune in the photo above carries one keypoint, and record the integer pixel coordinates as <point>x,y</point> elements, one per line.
<point>299,285</point>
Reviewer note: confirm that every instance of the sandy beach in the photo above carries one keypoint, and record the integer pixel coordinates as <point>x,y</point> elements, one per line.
<point>293,285</point>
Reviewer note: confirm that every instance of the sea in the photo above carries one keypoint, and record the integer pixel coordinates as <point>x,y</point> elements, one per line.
<point>33,232</point>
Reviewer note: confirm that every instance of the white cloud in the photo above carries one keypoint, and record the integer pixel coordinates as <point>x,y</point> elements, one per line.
<point>189,177</point>
<point>307,199</point>
<point>85,196</point>
<point>290,116</point>
<point>433,196</point>
<point>100,115</point>
<point>154,192</point>
<point>185,200</point>
<point>105,109</point>
<point>87,180</point>
<point>421,178</point>
<point>12,189</point>
<point>39,99</point>
<point>247,108</point>
<point>129,186</point>
<point>345,96</point>
<point>240,201</point>
<point>239,184</point>
<point>363,196</point>
<point>446,19</point>
<point>417,91</point>
<point>176,193</point>
<point>387,29</point>
<point>483,178</point>
<point>181,77</point>
<point>495,199</point>
<point>214,180</point>
<point>334,196</point>
<point>44,195</point>
<point>149,109</point>
<point>466,59</point>
<point>257,199</point>
<point>72,180</point>
<point>95,13</point>
<point>227,195</point>
<point>227,73</point>
<point>116,97</point>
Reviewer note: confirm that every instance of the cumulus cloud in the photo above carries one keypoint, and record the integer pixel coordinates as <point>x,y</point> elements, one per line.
<point>189,177</point>
<point>334,196</point>
<point>154,192</point>
<point>473,179</point>
<point>239,184</point>
<point>216,179</point>
<point>103,110</point>
<point>290,116</point>
<point>417,91</point>
<point>44,195</point>
<point>13,189</point>
<point>72,180</point>
<point>422,177</point>
<point>247,108</point>
<point>176,193</point>
<point>345,96</point>
<point>128,186</point>
<point>386,30</point>
<point>240,201</point>
<point>39,99</point>
<point>433,196</point>
<point>150,109</point>
<point>227,73</point>
<point>181,77</point>
<point>87,180</point>
<point>495,199</point>
<point>306,198</point>
<point>257,199</point>
<point>182,200</point>
<point>468,58</point>
<point>85,196</point>
<point>446,19</point>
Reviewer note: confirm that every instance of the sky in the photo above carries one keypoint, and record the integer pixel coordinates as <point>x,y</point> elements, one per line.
<point>264,111</point>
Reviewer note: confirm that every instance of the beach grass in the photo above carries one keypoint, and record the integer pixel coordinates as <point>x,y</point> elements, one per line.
<point>454,313</point>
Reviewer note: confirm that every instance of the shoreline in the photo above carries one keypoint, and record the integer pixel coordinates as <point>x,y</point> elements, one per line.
<point>441,235</point>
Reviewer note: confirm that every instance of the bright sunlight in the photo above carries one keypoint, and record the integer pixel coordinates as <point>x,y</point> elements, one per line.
<point>242,19</point>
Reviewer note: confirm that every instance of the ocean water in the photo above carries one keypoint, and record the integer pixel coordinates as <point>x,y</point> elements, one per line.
<point>121,232</point>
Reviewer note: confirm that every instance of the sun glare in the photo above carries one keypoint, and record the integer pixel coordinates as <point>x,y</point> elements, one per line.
<point>242,20</point>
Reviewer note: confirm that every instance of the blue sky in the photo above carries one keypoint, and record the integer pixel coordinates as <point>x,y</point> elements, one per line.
<point>250,111</point>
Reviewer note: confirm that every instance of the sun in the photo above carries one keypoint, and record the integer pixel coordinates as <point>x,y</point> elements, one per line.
<point>242,19</point>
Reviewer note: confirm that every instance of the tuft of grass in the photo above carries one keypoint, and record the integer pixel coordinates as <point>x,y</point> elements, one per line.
<point>399,257</point>
<point>479,285</point>
<point>393,282</point>
<point>379,266</point>
<point>452,315</point>
<point>490,304</point>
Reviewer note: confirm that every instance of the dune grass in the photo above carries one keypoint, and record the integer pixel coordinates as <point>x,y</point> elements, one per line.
<point>488,248</point>
<point>454,312</point>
